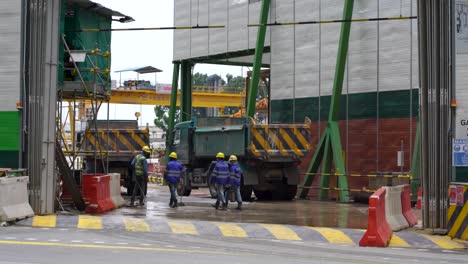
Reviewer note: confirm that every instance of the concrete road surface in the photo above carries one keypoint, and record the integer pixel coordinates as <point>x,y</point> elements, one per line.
<point>67,246</point>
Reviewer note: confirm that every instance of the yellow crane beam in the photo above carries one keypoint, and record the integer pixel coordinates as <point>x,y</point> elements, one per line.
<point>199,99</point>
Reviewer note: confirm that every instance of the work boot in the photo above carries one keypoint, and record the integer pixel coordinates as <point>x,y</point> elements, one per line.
<point>224,207</point>
<point>142,203</point>
<point>216,205</point>
<point>175,204</point>
<point>239,207</point>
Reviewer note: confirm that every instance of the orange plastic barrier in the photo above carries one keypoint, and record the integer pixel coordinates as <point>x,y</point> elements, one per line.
<point>406,206</point>
<point>378,232</point>
<point>419,201</point>
<point>96,192</point>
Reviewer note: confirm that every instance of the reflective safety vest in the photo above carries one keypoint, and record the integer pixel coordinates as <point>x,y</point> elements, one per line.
<point>235,175</point>
<point>173,171</point>
<point>139,170</point>
<point>220,173</point>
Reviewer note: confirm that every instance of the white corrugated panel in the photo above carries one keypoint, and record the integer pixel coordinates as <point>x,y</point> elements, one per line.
<point>282,53</point>
<point>395,46</point>
<point>238,32</point>
<point>199,43</point>
<point>218,36</point>
<point>10,54</point>
<point>182,37</point>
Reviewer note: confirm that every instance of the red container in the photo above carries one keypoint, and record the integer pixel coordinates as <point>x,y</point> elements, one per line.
<point>96,192</point>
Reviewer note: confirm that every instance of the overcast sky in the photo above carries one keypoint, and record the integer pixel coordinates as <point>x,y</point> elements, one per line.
<point>143,48</point>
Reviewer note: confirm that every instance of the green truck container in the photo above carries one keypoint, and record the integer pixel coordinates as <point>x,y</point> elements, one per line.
<point>269,154</point>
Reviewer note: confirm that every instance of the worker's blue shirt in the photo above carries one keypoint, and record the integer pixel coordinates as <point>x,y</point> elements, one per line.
<point>173,171</point>
<point>144,164</point>
<point>220,173</point>
<point>235,174</point>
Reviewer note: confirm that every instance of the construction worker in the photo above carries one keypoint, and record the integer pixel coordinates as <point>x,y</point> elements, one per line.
<point>140,174</point>
<point>234,181</point>
<point>219,177</point>
<point>172,177</point>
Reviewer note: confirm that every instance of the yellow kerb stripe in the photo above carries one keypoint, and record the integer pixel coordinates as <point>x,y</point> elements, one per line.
<point>183,228</point>
<point>231,230</point>
<point>44,221</point>
<point>89,222</point>
<point>281,232</point>
<point>333,236</point>
<point>136,225</point>
<point>444,242</point>
<point>397,241</point>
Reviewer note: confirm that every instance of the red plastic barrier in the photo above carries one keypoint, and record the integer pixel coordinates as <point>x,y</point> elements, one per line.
<point>419,201</point>
<point>406,206</point>
<point>378,232</point>
<point>96,191</point>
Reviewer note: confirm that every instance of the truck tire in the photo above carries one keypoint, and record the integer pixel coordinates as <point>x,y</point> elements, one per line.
<point>183,188</point>
<point>263,195</point>
<point>289,192</point>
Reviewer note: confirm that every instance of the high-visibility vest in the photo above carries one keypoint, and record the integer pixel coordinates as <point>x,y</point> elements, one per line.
<point>139,170</point>
<point>173,171</point>
<point>220,173</point>
<point>235,175</point>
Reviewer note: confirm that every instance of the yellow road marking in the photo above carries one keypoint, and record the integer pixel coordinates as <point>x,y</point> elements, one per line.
<point>231,230</point>
<point>444,242</point>
<point>89,222</point>
<point>136,225</point>
<point>397,241</point>
<point>333,236</point>
<point>44,221</point>
<point>281,232</point>
<point>183,228</point>
<point>50,244</point>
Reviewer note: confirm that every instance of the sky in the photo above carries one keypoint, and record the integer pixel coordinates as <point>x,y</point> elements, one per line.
<point>143,48</point>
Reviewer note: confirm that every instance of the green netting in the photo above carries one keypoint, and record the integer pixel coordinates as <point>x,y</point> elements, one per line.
<point>75,18</point>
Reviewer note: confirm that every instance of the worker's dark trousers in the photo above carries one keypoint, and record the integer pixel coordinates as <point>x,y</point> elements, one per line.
<point>173,189</point>
<point>140,187</point>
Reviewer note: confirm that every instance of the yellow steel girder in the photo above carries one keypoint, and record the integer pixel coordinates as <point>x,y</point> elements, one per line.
<point>199,99</point>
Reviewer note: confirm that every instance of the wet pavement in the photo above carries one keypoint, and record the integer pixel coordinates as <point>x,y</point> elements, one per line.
<point>296,212</point>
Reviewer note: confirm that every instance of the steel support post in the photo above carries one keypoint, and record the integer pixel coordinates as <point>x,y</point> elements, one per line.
<point>186,91</point>
<point>416,165</point>
<point>172,108</point>
<point>329,148</point>
<point>252,96</point>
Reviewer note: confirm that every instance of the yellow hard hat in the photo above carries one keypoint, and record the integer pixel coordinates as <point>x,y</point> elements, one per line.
<point>220,155</point>
<point>173,155</point>
<point>232,158</point>
<point>146,149</point>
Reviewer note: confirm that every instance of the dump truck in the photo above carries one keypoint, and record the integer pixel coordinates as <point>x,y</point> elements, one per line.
<point>269,154</point>
<point>116,142</point>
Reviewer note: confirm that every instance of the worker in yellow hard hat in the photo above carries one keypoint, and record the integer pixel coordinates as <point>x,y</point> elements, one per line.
<point>172,176</point>
<point>140,174</point>
<point>234,181</point>
<point>219,178</point>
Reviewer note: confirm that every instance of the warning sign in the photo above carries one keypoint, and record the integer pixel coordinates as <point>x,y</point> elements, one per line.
<point>460,152</point>
<point>460,197</point>
<point>453,195</point>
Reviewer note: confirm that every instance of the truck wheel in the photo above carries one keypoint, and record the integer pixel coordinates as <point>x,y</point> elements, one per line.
<point>183,189</point>
<point>246,192</point>
<point>289,192</point>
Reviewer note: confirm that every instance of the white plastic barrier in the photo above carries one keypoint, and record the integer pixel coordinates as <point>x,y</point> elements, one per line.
<point>114,185</point>
<point>393,210</point>
<point>14,204</point>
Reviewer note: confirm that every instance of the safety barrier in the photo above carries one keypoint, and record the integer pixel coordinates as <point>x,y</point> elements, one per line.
<point>393,209</point>
<point>406,206</point>
<point>378,231</point>
<point>14,203</point>
<point>419,201</point>
<point>458,211</point>
<point>115,194</point>
<point>156,179</point>
<point>96,192</point>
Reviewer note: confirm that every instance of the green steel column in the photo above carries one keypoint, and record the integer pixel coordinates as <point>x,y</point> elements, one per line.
<point>331,137</point>
<point>186,91</point>
<point>415,165</point>
<point>252,96</point>
<point>173,106</point>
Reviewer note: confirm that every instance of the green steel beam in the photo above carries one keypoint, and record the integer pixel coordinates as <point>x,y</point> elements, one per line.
<point>186,91</point>
<point>252,96</point>
<point>331,137</point>
<point>172,109</point>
